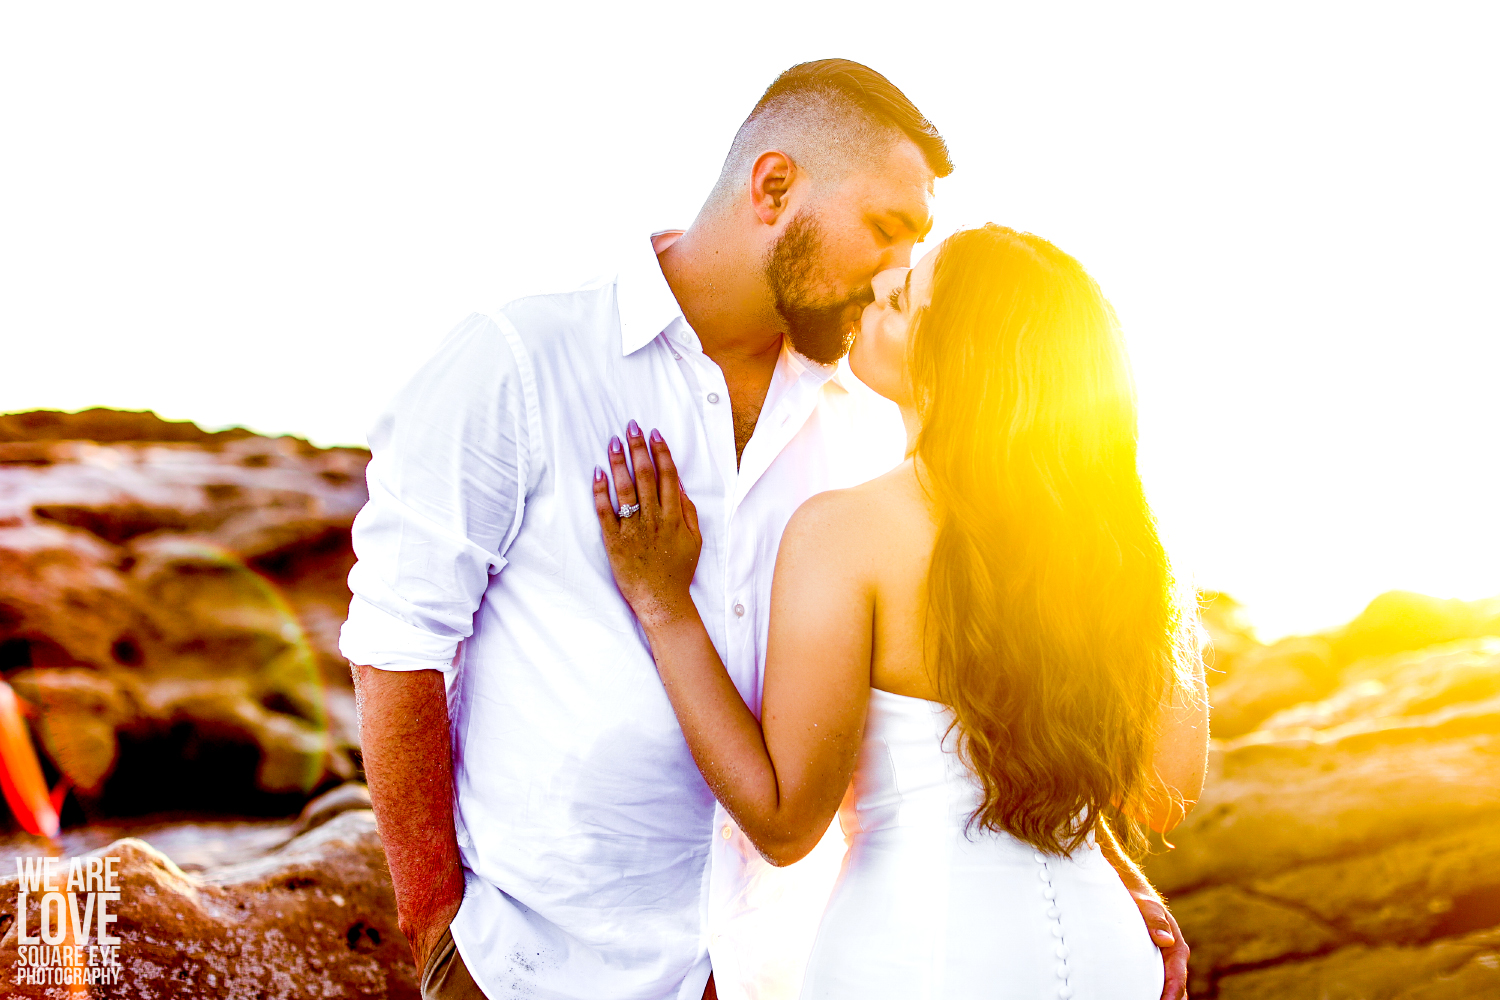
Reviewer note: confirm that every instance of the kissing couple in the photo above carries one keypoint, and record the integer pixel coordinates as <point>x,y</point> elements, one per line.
<point>923,592</point>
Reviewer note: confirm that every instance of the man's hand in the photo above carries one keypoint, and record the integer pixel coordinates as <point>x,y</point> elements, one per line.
<point>1168,937</point>
<point>1159,920</point>
<point>403,730</point>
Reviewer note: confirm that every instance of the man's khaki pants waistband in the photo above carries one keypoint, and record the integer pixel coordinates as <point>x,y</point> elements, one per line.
<point>447,978</point>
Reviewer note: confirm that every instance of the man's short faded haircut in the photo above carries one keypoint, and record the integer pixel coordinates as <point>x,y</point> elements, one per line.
<point>830,116</point>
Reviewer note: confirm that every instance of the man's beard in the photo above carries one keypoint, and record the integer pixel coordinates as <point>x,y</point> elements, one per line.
<point>819,328</point>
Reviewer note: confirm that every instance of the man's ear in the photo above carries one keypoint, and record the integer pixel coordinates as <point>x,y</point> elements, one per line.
<point>770,181</point>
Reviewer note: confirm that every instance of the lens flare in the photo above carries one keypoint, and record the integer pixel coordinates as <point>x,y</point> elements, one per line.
<point>21,773</point>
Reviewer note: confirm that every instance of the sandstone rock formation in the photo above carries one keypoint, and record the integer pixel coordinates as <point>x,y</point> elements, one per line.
<point>1252,681</point>
<point>1268,678</point>
<point>313,917</point>
<point>1348,848</point>
<point>1230,632</point>
<point>169,604</point>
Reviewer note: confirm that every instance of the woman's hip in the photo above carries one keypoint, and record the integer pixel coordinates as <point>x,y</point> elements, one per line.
<point>937,914</point>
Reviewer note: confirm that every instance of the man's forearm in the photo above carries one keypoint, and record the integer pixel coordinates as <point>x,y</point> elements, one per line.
<point>404,739</point>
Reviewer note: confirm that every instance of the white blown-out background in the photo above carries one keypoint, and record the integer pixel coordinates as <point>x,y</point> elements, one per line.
<point>267,215</point>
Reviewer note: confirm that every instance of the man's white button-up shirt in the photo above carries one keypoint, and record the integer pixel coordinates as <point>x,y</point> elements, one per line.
<point>593,862</point>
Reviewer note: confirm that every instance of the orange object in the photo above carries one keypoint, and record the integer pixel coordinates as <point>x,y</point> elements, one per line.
<point>21,773</point>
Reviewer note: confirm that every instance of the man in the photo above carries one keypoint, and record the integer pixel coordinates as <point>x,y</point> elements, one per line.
<point>547,830</point>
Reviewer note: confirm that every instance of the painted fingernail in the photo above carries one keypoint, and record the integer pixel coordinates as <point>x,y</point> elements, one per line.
<point>615,445</point>
<point>634,429</point>
<point>656,436</point>
<point>598,474</point>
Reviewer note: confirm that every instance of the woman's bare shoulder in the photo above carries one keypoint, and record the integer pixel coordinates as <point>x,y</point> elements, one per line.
<point>862,517</point>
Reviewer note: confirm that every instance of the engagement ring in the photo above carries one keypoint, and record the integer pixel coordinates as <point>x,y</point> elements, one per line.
<point>628,509</point>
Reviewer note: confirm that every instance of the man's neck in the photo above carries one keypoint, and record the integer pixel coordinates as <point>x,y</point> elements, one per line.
<point>722,292</point>
<point>723,297</point>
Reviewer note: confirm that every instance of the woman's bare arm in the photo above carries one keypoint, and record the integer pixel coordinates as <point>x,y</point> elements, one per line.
<point>781,777</point>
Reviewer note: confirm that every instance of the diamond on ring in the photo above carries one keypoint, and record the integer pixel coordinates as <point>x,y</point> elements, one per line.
<point>627,509</point>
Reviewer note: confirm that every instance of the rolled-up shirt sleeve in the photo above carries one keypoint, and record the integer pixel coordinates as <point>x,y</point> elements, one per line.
<point>448,479</point>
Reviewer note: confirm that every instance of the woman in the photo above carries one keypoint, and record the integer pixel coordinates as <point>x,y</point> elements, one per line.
<point>986,639</point>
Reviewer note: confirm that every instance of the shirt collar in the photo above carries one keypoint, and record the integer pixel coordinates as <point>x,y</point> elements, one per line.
<point>801,365</point>
<point>643,297</point>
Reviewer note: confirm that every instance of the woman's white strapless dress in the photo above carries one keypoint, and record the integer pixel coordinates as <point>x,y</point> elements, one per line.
<point>923,911</point>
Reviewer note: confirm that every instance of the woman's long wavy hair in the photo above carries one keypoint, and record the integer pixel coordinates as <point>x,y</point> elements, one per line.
<point>1054,629</point>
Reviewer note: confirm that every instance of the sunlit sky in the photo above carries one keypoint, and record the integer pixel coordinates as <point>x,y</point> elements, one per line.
<point>267,215</point>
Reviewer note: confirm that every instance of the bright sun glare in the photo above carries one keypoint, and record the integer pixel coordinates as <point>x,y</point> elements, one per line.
<point>267,215</point>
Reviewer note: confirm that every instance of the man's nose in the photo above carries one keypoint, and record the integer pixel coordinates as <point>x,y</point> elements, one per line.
<point>888,279</point>
<point>900,253</point>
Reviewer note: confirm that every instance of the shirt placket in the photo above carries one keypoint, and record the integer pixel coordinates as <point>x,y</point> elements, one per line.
<point>711,397</point>
<point>774,431</point>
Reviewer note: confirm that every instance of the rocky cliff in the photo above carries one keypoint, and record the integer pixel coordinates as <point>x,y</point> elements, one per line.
<point>268,910</point>
<point>1347,846</point>
<point>169,608</point>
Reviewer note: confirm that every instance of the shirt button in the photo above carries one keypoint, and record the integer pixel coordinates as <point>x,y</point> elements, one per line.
<point>739,610</point>
<point>728,831</point>
<point>713,397</point>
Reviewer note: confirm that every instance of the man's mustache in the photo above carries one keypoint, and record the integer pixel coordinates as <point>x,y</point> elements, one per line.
<point>854,309</point>
<point>853,313</point>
